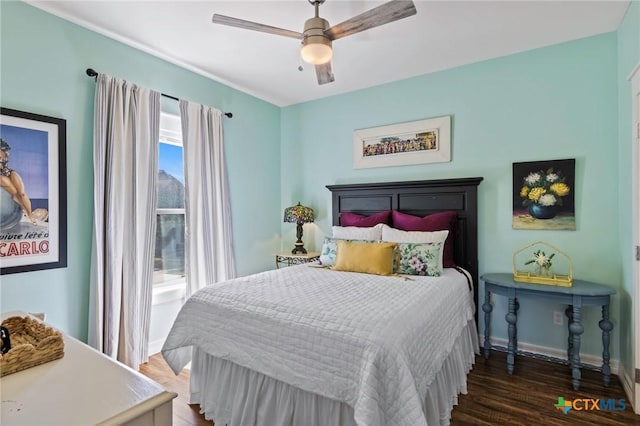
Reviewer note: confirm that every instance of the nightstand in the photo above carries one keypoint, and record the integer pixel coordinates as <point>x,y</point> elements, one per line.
<point>288,259</point>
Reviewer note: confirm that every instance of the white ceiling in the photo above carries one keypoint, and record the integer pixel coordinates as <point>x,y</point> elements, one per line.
<point>442,35</point>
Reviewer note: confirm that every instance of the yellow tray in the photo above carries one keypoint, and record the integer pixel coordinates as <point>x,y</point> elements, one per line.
<point>555,279</point>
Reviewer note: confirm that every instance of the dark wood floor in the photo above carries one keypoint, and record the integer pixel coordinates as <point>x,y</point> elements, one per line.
<point>494,397</point>
<point>528,396</point>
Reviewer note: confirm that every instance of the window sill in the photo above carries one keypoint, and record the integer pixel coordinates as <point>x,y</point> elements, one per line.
<point>168,293</point>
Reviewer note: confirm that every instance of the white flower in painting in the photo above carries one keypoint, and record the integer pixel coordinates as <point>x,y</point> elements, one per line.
<point>547,200</point>
<point>552,177</point>
<point>532,178</point>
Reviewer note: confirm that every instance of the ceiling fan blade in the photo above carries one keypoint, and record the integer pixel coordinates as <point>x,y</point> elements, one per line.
<point>324,73</point>
<point>383,14</point>
<point>249,25</point>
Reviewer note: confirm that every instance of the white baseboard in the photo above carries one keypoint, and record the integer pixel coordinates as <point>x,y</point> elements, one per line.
<point>155,346</point>
<point>628,386</point>
<point>560,354</point>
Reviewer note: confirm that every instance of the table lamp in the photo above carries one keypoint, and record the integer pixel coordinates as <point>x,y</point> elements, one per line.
<point>298,214</point>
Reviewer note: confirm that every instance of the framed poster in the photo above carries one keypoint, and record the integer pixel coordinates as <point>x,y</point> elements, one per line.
<point>415,142</point>
<point>33,192</point>
<point>543,195</point>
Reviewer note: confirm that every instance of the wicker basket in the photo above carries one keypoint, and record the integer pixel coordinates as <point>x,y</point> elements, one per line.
<point>32,343</point>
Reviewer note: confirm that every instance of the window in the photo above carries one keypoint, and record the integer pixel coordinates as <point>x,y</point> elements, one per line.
<point>169,259</point>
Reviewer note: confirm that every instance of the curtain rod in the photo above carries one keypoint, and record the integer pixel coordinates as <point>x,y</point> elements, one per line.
<point>93,73</point>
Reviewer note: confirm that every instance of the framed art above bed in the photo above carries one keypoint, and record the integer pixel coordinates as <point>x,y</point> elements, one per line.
<point>415,142</point>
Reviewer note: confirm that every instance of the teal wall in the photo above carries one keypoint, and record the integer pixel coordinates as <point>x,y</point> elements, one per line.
<point>43,61</point>
<point>628,59</point>
<point>551,103</point>
<point>564,101</point>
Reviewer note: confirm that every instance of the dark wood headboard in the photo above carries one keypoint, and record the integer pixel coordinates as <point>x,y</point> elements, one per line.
<point>420,198</point>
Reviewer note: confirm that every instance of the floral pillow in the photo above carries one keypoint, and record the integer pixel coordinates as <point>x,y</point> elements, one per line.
<point>418,259</point>
<point>434,222</point>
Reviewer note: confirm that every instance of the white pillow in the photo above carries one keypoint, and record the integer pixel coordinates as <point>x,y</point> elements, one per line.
<point>394,235</point>
<point>373,233</point>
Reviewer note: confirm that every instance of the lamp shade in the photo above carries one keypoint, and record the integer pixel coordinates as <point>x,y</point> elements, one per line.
<point>298,214</point>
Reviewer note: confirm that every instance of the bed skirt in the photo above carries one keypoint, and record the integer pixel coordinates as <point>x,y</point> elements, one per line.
<point>232,395</point>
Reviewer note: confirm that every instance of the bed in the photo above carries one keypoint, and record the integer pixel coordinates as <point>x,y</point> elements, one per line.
<point>309,346</point>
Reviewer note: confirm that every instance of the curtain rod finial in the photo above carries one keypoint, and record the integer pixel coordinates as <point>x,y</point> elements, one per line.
<point>229,114</point>
<point>91,72</point>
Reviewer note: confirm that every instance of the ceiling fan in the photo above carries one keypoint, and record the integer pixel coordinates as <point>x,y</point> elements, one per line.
<point>317,36</point>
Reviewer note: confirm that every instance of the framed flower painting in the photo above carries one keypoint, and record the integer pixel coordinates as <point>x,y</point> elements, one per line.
<point>543,195</point>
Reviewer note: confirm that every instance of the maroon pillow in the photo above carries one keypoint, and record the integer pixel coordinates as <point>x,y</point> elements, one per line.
<point>352,219</point>
<point>434,222</point>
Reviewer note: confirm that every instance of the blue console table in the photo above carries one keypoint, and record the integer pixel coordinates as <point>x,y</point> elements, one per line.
<point>582,293</point>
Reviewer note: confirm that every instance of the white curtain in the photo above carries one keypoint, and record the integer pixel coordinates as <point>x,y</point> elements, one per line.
<point>125,162</point>
<point>208,240</point>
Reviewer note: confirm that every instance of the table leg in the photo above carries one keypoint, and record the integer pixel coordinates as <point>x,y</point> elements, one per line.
<point>568,312</point>
<point>576,329</point>
<point>511,318</point>
<point>487,308</point>
<point>606,326</point>
<point>516,333</point>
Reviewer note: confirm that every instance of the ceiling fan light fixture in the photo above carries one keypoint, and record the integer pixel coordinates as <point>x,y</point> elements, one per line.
<point>318,36</point>
<point>316,51</point>
<point>316,46</point>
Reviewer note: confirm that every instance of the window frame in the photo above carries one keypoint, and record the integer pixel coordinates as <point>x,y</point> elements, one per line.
<point>171,134</point>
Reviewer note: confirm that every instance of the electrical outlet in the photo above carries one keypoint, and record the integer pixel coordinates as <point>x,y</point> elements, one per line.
<point>558,317</point>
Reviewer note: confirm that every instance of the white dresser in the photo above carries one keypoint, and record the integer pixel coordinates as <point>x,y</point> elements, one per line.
<point>84,387</point>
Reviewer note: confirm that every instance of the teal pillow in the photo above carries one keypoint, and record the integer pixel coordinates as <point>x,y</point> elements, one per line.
<point>328,253</point>
<point>418,259</point>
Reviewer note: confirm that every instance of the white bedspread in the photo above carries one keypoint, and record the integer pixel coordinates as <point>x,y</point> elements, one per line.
<point>373,342</point>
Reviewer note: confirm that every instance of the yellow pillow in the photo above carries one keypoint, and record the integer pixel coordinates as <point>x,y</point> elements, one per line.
<point>369,258</point>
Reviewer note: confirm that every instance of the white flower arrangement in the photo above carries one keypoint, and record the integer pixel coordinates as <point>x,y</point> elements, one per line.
<point>543,264</point>
<point>542,261</point>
